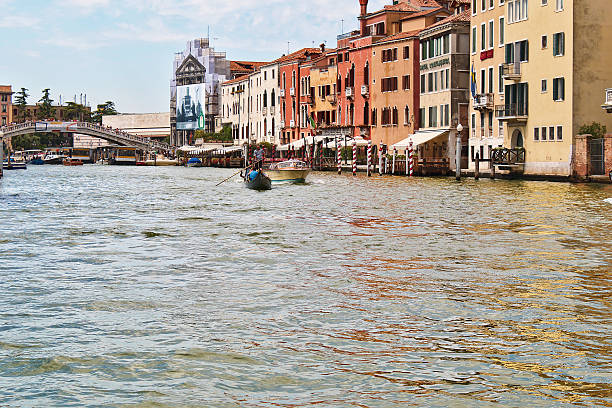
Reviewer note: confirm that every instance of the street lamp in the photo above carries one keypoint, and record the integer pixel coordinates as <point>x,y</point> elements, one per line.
<point>458,153</point>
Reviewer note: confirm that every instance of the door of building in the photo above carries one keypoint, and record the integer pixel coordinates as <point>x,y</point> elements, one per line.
<point>596,147</point>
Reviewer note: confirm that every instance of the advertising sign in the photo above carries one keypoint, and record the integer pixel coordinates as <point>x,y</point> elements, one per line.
<point>190,107</point>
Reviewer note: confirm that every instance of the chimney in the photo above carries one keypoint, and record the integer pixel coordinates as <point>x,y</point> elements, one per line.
<point>364,11</point>
<point>322,47</point>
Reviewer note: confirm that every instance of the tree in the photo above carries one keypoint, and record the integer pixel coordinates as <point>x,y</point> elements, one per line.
<point>595,129</point>
<point>21,101</point>
<point>45,106</point>
<point>76,111</point>
<point>105,109</point>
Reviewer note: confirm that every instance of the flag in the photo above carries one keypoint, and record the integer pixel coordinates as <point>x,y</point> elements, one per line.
<point>312,122</point>
<point>473,81</point>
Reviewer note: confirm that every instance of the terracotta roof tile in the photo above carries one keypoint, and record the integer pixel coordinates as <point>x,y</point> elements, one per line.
<point>465,16</point>
<point>400,36</point>
<point>299,54</point>
<point>233,81</point>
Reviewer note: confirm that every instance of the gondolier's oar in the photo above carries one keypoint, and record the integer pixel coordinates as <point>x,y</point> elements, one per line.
<point>235,174</point>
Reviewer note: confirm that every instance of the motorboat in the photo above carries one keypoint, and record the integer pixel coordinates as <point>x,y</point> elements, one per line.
<point>194,162</point>
<point>257,180</point>
<point>290,171</point>
<point>161,161</point>
<point>53,158</point>
<point>11,164</point>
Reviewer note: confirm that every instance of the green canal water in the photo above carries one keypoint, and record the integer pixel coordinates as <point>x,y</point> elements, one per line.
<point>151,287</point>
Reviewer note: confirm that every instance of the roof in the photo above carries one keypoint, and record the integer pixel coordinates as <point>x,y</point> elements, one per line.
<point>299,54</point>
<point>425,13</point>
<point>463,17</point>
<point>246,66</point>
<point>401,7</point>
<point>235,80</point>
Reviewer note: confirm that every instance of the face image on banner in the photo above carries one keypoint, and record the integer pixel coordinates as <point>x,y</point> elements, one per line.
<point>190,107</point>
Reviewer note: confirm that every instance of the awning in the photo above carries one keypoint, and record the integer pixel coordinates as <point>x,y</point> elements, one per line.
<point>331,142</point>
<point>420,137</point>
<point>228,149</point>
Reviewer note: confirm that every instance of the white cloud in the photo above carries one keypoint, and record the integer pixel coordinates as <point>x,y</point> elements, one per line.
<point>17,21</point>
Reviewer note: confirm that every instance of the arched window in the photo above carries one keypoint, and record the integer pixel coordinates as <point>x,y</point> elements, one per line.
<point>265,99</point>
<point>272,98</point>
<point>366,111</point>
<point>406,115</point>
<point>395,116</point>
<point>366,74</point>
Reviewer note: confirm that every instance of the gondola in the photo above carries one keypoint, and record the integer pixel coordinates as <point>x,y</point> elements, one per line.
<point>257,180</point>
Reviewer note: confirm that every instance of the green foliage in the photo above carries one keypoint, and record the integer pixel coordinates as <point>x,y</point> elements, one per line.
<point>41,141</point>
<point>45,106</point>
<point>76,111</point>
<point>105,109</point>
<point>21,101</point>
<point>224,136</point>
<point>595,129</point>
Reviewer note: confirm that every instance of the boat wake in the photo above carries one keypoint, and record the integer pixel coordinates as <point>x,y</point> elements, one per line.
<point>608,200</point>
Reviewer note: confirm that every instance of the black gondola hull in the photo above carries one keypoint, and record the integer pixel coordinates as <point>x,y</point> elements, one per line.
<point>260,182</point>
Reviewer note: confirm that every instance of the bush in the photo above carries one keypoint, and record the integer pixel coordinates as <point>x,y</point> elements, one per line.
<point>595,129</point>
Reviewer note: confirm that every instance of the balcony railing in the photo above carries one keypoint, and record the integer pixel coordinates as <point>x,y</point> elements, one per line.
<point>282,93</point>
<point>332,99</point>
<point>264,110</point>
<point>365,90</point>
<point>349,92</point>
<point>505,156</point>
<point>292,123</point>
<point>511,71</point>
<point>483,101</point>
<point>292,91</point>
<point>272,110</point>
<point>511,111</point>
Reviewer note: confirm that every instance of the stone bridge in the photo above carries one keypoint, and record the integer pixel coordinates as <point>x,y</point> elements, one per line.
<point>91,129</point>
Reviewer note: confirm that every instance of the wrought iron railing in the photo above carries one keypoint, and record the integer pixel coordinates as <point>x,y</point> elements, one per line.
<point>511,110</point>
<point>508,156</point>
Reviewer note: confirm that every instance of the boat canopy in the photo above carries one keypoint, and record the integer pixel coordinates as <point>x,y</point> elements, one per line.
<point>419,138</point>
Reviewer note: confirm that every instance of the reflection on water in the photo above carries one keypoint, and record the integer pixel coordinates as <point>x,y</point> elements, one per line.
<point>152,287</point>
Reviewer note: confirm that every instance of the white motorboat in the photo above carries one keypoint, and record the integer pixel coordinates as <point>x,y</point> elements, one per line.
<point>290,171</point>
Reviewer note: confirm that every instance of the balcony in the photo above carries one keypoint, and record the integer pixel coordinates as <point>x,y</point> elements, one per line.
<point>511,112</point>
<point>607,106</point>
<point>282,124</point>
<point>511,71</point>
<point>310,99</point>
<point>292,91</point>
<point>292,123</point>
<point>272,110</point>
<point>508,157</point>
<point>282,93</point>
<point>332,99</point>
<point>483,101</point>
<point>349,92</point>
<point>365,90</point>
<point>264,110</point>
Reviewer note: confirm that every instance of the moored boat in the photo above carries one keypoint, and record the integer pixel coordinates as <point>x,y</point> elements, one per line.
<point>257,180</point>
<point>290,171</point>
<point>194,162</point>
<point>13,165</point>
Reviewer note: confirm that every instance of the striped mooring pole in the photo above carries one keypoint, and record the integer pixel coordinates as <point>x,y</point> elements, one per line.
<point>394,156</point>
<point>339,158</point>
<point>368,171</point>
<point>411,158</point>
<point>406,154</point>
<point>380,160</point>
<point>354,158</point>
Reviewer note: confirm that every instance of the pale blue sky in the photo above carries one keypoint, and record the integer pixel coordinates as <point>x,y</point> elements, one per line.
<point>123,50</point>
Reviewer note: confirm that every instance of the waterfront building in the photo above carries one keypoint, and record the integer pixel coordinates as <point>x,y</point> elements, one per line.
<point>145,125</point>
<point>197,74</point>
<point>241,68</point>
<point>295,91</point>
<point>323,81</point>
<point>444,83</point>
<point>487,48</point>
<point>264,99</point>
<point>235,107</point>
<point>557,63</point>
<point>6,105</point>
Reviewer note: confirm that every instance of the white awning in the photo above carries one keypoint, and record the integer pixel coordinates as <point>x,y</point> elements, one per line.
<point>420,137</point>
<point>331,142</point>
<point>228,149</point>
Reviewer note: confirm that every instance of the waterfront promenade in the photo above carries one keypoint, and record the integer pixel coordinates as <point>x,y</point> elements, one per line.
<point>151,286</point>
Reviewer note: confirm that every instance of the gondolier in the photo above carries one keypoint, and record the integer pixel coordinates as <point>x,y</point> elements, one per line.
<point>260,155</point>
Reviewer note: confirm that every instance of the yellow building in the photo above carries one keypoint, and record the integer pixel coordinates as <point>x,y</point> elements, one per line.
<point>487,48</point>
<point>557,64</point>
<point>323,83</point>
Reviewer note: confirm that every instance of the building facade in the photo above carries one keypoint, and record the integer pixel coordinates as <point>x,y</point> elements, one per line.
<point>235,108</point>
<point>556,65</point>
<point>197,73</point>
<point>487,49</point>
<point>6,105</point>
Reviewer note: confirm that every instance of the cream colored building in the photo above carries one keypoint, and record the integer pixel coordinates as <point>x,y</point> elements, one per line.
<point>558,61</point>
<point>265,114</point>
<point>235,109</point>
<point>150,125</point>
<point>487,48</point>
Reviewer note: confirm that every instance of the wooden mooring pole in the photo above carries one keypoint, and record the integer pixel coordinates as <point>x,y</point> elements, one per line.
<point>477,166</point>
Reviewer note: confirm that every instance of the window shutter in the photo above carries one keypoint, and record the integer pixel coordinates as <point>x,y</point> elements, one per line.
<point>555,89</point>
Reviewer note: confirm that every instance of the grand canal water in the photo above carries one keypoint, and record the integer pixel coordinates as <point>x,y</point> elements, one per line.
<point>151,287</point>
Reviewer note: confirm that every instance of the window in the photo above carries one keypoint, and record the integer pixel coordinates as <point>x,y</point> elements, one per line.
<point>491,4</point>
<point>406,82</point>
<point>491,82</point>
<point>406,52</point>
<point>374,117</point>
<point>473,7</point>
<point>536,134</point>
<point>501,31</point>
<point>483,37</point>
<point>433,116</point>
<point>388,84</point>
<point>406,115</point>
<point>483,80</point>
<point>544,85</point>
<point>501,79</point>
<point>422,83</point>
<point>491,34</point>
<point>558,44</point>
<point>422,117</point>
<point>430,82</point>
<point>446,44</point>
<point>474,36</point>
<point>559,89</point>
<point>446,115</point>
<point>559,132</point>
<point>395,116</point>
<point>544,2</point>
<point>484,5</point>
<point>544,42</point>
<point>559,5</point>
<point>3,108</point>
<point>551,133</point>
<point>544,133</point>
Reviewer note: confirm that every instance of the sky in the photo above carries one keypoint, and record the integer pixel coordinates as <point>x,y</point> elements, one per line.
<point>122,50</point>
